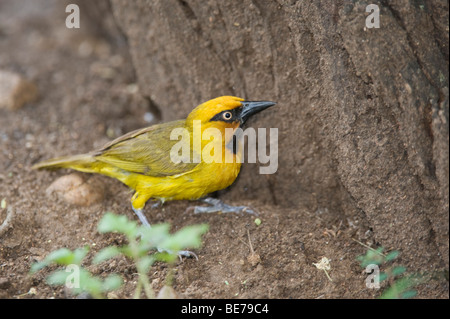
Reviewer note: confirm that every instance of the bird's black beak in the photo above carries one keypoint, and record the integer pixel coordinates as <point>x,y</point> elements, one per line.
<point>250,108</point>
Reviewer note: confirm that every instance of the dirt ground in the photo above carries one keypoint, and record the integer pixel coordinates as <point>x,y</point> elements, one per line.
<point>87,97</point>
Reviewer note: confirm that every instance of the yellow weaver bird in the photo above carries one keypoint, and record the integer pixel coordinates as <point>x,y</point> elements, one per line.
<point>142,159</point>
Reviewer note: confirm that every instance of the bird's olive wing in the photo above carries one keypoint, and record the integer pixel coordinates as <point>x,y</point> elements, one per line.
<point>145,151</point>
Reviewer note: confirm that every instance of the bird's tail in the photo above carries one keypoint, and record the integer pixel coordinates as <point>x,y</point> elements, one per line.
<point>82,162</point>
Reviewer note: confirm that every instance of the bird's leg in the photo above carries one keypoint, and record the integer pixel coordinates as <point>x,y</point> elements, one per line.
<point>216,205</point>
<point>145,222</point>
<point>141,216</point>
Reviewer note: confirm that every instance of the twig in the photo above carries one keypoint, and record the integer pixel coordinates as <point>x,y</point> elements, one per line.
<point>5,225</point>
<point>368,247</point>
<point>250,242</point>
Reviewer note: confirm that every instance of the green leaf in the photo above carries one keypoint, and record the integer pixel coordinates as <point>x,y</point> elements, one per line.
<point>90,284</point>
<point>58,277</point>
<point>188,237</point>
<point>81,281</point>
<point>167,257</point>
<point>79,254</point>
<point>61,256</point>
<point>372,256</point>
<point>105,254</point>
<point>145,263</point>
<point>61,277</point>
<point>383,276</point>
<point>151,237</point>
<point>392,255</point>
<point>409,294</point>
<point>390,293</point>
<point>374,260</point>
<point>117,223</point>
<point>38,266</point>
<point>399,287</point>
<point>398,270</point>
<point>126,251</point>
<point>112,282</point>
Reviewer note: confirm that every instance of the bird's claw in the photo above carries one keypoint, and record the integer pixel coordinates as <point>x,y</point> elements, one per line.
<point>187,254</point>
<point>180,253</point>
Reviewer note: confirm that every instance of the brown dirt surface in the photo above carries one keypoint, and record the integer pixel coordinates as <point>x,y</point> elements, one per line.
<point>87,96</point>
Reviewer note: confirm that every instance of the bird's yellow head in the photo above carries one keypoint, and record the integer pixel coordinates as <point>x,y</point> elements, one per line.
<point>225,112</point>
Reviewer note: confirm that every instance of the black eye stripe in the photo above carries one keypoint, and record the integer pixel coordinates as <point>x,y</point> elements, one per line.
<point>235,115</point>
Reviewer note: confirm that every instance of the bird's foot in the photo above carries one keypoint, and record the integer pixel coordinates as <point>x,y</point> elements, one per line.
<point>156,205</point>
<point>159,203</point>
<point>180,253</point>
<point>216,205</point>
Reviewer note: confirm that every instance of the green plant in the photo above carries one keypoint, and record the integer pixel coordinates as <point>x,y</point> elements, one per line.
<point>141,241</point>
<point>74,276</point>
<point>399,284</point>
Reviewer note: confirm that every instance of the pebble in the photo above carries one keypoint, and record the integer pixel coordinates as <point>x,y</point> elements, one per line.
<point>4,283</point>
<point>75,190</point>
<point>15,91</point>
<point>167,292</point>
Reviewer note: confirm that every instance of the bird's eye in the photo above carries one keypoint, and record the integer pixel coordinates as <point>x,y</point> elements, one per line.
<point>227,116</point>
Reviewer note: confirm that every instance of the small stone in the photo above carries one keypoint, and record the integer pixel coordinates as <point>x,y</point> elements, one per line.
<point>4,283</point>
<point>253,259</point>
<point>75,190</point>
<point>112,295</point>
<point>15,91</point>
<point>167,292</point>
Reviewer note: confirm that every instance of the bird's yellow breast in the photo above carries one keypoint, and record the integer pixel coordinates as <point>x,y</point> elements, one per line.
<point>205,179</point>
